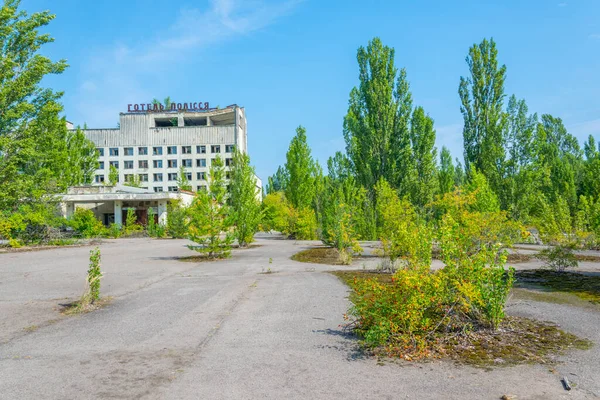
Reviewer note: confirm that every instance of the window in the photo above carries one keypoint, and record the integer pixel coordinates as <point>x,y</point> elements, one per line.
<point>215,148</point>
<point>201,176</point>
<point>128,164</point>
<point>128,151</point>
<point>113,151</point>
<point>157,177</point>
<point>201,162</point>
<point>100,152</point>
<point>157,151</point>
<point>188,176</point>
<point>114,164</point>
<point>228,162</point>
<point>129,177</point>
<point>186,149</point>
<point>201,188</point>
<point>186,163</point>
<point>172,189</point>
<point>172,164</point>
<point>157,163</point>
<point>143,164</point>
<point>171,149</point>
<point>99,179</point>
<point>201,149</point>
<point>142,151</point>
<point>158,188</point>
<point>172,176</point>
<point>143,177</point>
<point>228,148</point>
<point>101,165</point>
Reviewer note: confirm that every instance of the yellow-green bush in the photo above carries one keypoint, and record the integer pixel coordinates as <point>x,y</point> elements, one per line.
<point>84,222</point>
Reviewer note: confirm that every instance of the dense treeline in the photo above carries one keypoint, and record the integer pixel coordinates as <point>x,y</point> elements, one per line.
<point>536,170</point>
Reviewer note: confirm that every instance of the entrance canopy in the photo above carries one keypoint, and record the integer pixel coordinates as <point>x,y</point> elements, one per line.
<point>111,203</point>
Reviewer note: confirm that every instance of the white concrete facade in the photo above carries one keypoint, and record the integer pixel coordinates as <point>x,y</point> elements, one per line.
<point>154,145</point>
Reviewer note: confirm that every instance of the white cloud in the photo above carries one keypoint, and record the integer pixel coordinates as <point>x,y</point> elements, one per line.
<point>562,4</point>
<point>116,74</point>
<point>595,36</point>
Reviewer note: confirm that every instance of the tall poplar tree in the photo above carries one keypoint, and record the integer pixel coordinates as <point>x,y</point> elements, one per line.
<point>422,136</point>
<point>482,102</point>
<point>243,198</point>
<point>446,172</point>
<point>300,172</point>
<point>376,127</point>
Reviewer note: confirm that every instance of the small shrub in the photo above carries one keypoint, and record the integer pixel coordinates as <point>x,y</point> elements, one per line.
<point>84,222</point>
<point>559,257</point>
<point>93,278</point>
<point>177,220</point>
<point>131,225</point>
<point>154,229</point>
<point>15,243</point>
<point>114,231</point>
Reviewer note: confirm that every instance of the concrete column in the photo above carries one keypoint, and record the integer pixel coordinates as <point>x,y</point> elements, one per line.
<point>180,121</point>
<point>119,212</point>
<point>208,121</point>
<point>70,209</point>
<point>162,212</point>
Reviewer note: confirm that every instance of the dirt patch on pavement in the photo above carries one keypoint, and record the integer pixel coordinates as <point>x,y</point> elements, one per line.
<point>323,255</point>
<point>584,286</point>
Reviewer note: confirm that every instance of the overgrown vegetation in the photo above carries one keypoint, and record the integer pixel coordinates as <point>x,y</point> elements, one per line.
<point>91,296</point>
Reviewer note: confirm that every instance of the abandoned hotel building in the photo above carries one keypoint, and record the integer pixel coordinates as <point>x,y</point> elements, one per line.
<point>152,145</point>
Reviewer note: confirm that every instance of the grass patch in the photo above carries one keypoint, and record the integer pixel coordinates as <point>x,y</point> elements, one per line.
<point>516,341</point>
<point>79,307</point>
<point>321,255</point>
<point>31,328</point>
<point>586,287</point>
<point>198,258</point>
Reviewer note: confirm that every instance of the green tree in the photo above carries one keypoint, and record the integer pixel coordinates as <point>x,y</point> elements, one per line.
<point>182,181</point>
<point>134,182</point>
<point>482,99</point>
<point>113,175</point>
<point>82,159</point>
<point>446,172</point>
<point>376,127</point>
<point>300,171</point>
<point>277,182</point>
<point>32,135</point>
<point>209,215</point>
<point>422,136</point>
<point>246,210</point>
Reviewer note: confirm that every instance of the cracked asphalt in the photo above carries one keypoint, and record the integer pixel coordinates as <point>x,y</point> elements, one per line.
<point>228,330</point>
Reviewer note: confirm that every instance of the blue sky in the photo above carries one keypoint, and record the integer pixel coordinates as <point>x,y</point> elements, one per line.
<point>292,62</point>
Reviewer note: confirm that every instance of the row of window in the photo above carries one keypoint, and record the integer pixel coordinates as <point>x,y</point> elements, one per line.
<point>143,164</point>
<point>158,150</point>
<point>172,176</point>
<point>176,189</point>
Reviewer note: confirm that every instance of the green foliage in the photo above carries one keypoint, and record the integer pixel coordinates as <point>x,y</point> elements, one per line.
<point>277,182</point>
<point>341,232</point>
<point>38,155</point>
<point>246,212</point>
<point>113,175</point>
<point>485,198</point>
<point>482,98</point>
<point>131,224</point>
<point>177,220</point>
<point>422,137</point>
<point>377,125</point>
<point>93,277</point>
<point>114,231</point>
<point>404,235</point>
<point>182,181</point>
<point>209,216</point>
<point>84,222</point>
<point>276,213</point>
<point>446,172</point>
<point>133,182</point>
<point>303,224</point>
<point>559,257</point>
<point>154,229</point>
<point>300,171</point>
